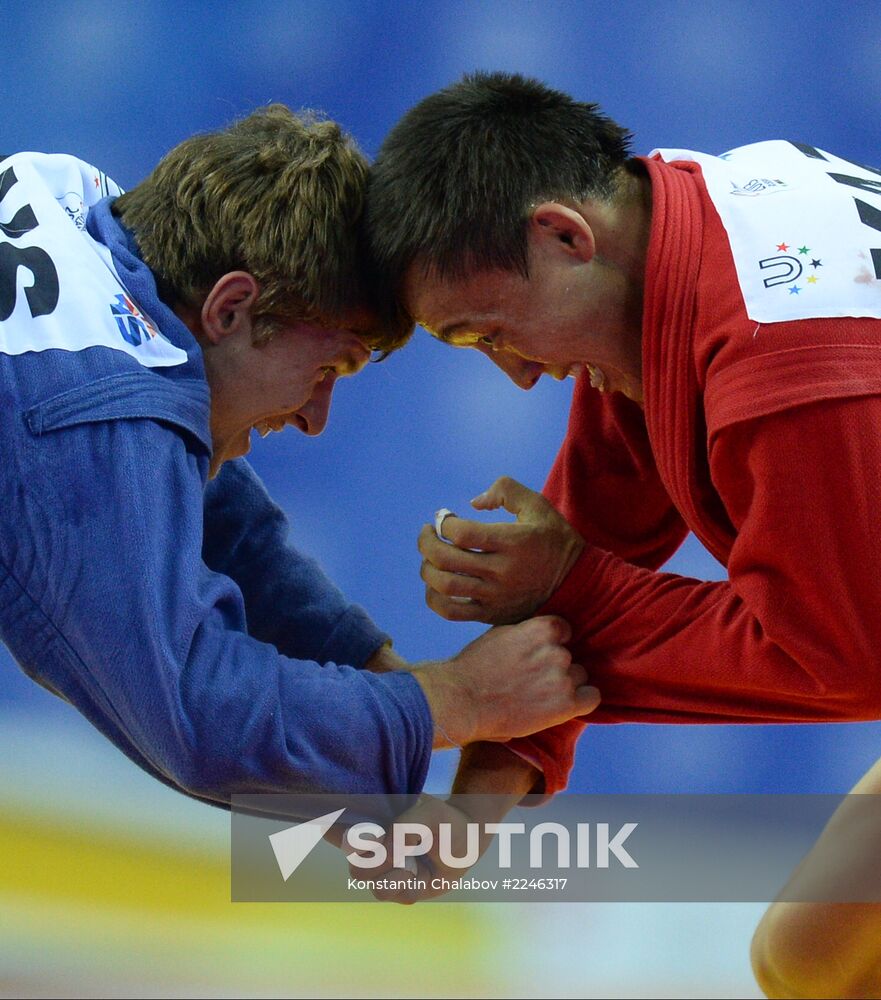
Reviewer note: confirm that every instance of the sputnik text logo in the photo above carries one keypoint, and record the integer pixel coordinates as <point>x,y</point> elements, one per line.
<point>594,845</point>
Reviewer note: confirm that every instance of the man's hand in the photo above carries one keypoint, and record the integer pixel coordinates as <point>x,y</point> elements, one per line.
<point>432,813</point>
<point>462,844</point>
<point>512,681</point>
<point>516,568</point>
<point>491,780</point>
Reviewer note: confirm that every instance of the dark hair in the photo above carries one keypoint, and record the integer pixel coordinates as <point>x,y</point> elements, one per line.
<point>454,180</point>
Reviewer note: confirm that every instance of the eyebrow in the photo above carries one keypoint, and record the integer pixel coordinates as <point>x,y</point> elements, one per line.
<point>447,333</point>
<point>349,363</point>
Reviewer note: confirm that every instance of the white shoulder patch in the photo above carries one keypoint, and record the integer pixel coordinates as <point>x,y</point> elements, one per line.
<point>804,228</point>
<point>58,286</point>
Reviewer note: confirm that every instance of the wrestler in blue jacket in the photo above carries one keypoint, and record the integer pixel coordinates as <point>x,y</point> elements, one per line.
<point>171,610</point>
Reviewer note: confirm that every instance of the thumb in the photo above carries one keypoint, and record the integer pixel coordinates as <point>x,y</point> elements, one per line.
<point>514,497</point>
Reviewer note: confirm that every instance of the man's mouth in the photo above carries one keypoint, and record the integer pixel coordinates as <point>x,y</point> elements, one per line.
<point>560,372</point>
<point>271,424</point>
<point>265,427</point>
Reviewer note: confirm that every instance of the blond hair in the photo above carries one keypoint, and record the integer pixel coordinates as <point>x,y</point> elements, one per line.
<point>275,194</point>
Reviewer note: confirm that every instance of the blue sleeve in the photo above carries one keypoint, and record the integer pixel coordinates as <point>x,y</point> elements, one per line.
<point>105,599</point>
<point>289,602</point>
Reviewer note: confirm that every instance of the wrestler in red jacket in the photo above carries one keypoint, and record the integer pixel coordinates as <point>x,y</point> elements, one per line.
<point>723,316</point>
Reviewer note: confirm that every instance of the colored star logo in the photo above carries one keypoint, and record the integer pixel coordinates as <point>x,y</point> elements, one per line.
<point>816,263</point>
<point>794,289</point>
<point>812,280</point>
<point>783,246</point>
<point>804,250</point>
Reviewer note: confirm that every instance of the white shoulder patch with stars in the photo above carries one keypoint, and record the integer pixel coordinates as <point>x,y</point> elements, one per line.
<point>58,286</point>
<point>804,228</point>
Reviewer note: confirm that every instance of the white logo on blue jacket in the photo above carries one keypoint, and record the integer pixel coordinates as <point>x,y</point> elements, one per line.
<point>59,288</point>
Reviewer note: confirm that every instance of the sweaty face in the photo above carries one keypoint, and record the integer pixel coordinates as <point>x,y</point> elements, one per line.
<point>289,380</point>
<point>552,323</point>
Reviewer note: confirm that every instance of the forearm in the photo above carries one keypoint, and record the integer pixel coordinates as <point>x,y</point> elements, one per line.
<point>666,648</point>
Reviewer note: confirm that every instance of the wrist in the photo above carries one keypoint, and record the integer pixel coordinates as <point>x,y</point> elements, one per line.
<point>491,780</point>
<point>494,769</point>
<point>450,703</point>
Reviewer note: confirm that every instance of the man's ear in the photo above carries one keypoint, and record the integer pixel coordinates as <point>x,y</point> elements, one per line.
<point>559,228</point>
<point>227,307</point>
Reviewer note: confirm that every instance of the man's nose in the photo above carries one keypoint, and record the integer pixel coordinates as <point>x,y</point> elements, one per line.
<point>520,371</point>
<point>312,417</point>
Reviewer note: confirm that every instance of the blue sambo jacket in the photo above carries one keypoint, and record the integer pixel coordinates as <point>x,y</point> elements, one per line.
<point>171,611</point>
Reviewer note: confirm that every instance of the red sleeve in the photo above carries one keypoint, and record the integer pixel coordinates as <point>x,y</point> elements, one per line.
<point>792,636</point>
<point>606,484</point>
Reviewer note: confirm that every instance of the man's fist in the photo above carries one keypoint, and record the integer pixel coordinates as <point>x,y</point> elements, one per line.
<point>511,681</point>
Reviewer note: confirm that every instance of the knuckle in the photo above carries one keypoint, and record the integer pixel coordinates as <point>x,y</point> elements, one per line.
<point>578,674</point>
<point>500,569</point>
<point>564,657</point>
<point>450,529</point>
<point>561,629</point>
<point>558,659</point>
<point>545,629</point>
<point>458,532</point>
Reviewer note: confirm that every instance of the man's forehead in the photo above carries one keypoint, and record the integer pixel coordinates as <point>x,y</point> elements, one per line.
<point>436,302</point>
<point>331,342</point>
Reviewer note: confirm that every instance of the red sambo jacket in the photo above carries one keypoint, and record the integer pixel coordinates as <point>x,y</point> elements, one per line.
<point>765,441</point>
